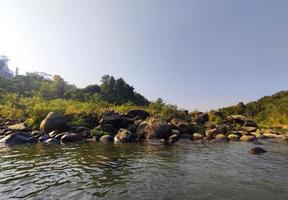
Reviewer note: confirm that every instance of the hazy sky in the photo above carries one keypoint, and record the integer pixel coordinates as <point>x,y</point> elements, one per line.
<point>194,53</point>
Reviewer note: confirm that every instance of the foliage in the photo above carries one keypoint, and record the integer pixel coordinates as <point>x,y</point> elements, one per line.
<point>267,111</point>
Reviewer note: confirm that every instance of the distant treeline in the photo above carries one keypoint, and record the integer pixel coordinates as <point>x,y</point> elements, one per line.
<point>267,111</point>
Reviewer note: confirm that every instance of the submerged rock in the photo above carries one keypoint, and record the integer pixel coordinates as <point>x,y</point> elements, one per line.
<point>71,137</point>
<point>52,141</point>
<point>257,150</point>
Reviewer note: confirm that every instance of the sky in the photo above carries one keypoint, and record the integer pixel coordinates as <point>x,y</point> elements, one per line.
<point>198,54</point>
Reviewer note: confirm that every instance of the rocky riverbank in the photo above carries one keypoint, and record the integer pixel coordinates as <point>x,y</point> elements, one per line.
<point>139,126</point>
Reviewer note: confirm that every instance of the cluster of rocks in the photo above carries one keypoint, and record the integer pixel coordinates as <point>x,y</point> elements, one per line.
<point>138,125</point>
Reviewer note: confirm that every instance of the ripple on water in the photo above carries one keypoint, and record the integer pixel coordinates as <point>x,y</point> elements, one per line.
<point>136,171</point>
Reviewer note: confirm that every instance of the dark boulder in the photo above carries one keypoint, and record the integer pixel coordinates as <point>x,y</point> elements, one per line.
<point>18,138</point>
<point>138,114</point>
<point>105,139</point>
<point>53,121</point>
<point>107,128</point>
<point>257,150</point>
<point>71,137</point>
<point>183,126</point>
<point>116,120</point>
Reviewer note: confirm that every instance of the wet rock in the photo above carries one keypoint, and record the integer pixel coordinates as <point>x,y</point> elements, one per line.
<point>71,137</point>
<point>257,150</point>
<point>183,126</point>
<point>138,114</point>
<point>105,139</point>
<point>43,138</point>
<point>53,121</point>
<point>173,138</point>
<point>36,133</point>
<point>52,141</point>
<point>123,136</point>
<point>18,138</point>
<point>248,138</point>
<point>52,134</point>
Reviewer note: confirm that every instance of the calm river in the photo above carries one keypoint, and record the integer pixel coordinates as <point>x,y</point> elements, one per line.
<point>137,171</point>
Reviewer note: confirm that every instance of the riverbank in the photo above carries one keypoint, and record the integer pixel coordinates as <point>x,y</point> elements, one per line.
<point>140,126</point>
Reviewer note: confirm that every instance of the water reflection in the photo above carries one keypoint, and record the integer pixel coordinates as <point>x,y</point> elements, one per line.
<point>140,171</point>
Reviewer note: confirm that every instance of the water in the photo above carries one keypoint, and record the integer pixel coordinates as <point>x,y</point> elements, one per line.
<point>138,171</point>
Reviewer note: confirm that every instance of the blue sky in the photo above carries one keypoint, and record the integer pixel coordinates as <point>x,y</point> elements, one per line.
<point>194,53</point>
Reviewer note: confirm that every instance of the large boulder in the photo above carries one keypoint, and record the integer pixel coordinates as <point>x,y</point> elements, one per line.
<point>138,114</point>
<point>233,137</point>
<point>71,137</point>
<point>53,121</point>
<point>183,126</point>
<point>155,128</point>
<point>18,138</point>
<point>201,118</point>
<point>238,119</point>
<point>116,120</point>
<point>123,136</point>
<point>107,128</point>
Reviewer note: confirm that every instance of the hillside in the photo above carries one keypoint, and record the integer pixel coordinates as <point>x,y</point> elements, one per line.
<point>267,111</point>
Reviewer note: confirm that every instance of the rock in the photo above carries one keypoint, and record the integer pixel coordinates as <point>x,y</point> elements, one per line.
<point>233,137</point>
<point>174,131</point>
<point>123,136</point>
<point>43,138</point>
<point>18,138</point>
<point>183,126</point>
<point>173,138</point>
<point>52,141</point>
<point>250,123</point>
<point>257,150</point>
<point>220,137</point>
<point>238,119</point>
<point>138,114</point>
<point>209,125</point>
<point>58,136</point>
<point>53,121</point>
<point>71,137</point>
<point>155,128</point>
<point>106,139</point>
<point>222,129</point>
<point>185,137</point>
<point>107,128</point>
<point>201,118</point>
<point>249,128</point>
<point>116,120</point>
<point>19,127</point>
<point>210,134</point>
<point>272,135</point>
<point>36,133</point>
<point>52,134</point>
<point>247,138</point>
<point>197,136</point>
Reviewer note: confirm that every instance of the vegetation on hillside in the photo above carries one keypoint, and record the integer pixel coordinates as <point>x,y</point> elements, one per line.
<point>30,97</point>
<point>267,111</point>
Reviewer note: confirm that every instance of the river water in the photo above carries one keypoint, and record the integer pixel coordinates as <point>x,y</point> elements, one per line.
<point>138,171</point>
